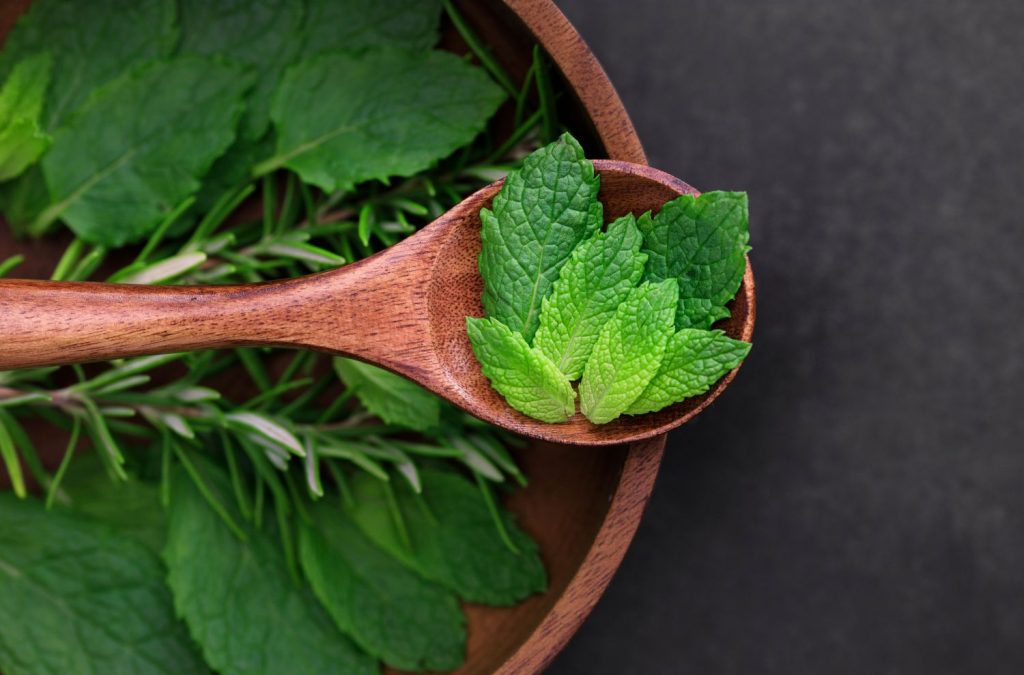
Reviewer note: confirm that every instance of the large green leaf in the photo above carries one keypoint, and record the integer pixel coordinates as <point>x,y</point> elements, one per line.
<point>453,537</point>
<point>22,139</point>
<point>88,50</point>
<point>247,613</point>
<point>140,145</point>
<point>346,118</point>
<point>391,612</point>
<point>544,209</point>
<point>332,25</point>
<point>76,597</point>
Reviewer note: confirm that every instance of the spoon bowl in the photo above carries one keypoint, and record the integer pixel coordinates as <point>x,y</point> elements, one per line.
<point>403,309</point>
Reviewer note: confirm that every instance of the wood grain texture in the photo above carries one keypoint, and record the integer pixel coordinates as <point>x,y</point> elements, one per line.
<point>403,309</point>
<point>583,505</point>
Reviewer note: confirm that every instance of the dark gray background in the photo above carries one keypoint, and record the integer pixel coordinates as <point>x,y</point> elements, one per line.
<point>854,503</point>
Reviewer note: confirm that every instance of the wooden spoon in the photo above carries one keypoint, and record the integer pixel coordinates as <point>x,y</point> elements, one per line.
<point>403,309</point>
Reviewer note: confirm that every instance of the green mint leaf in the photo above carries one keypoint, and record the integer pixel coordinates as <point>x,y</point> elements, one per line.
<point>694,360</point>
<point>263,34</point>
<point>131,507</point>
<point>140,145</point>
<point>356,24</point>
<point>544,209</point>
<point>388,610</point>
<point>529,381</point>
<point>390,397</point>
<point>346,118</point>
<point>130,31</point>
<point>453,537</point>
<point>22,140</point>
<point>597,278</point>
<point>76,597</point>
<point>24,198</point>
<point>240,603</point>
<point>701,242</point>
<point>629,351</point>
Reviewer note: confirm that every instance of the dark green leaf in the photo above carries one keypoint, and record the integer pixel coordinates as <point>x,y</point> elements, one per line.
<point>139,146</point>
<point>342,118</point>
<point>392,613</point>
<point>453,536</point>
<point>390,397</point>
<point>75,597</point>
<point>331,25</point>
<point>240,602</point>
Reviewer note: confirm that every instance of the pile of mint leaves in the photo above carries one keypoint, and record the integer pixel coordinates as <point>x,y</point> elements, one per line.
<point>625,310</point>
<point>248,510</point>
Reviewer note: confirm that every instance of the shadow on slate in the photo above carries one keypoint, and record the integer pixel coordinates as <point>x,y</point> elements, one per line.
<point>855,502</point>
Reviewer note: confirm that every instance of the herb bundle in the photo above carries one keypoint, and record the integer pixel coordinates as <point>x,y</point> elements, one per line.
<point>334,519</point>
<point>627,311</point>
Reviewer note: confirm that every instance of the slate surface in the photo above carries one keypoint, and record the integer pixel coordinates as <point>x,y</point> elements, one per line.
<point>855,502</point>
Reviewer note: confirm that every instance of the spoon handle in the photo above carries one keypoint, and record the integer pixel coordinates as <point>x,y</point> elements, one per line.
<point>56,323</point>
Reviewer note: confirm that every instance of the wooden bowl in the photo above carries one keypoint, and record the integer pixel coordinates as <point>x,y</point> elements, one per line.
<point>583,504</point>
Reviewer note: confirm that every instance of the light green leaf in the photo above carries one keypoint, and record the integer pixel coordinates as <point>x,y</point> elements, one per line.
<point>139,147</point>
<point>701,242</point>
<point>268,428</point>
<point>75,597</point>
<point>331,25</point>
<point>388,610</point>
<point>629,351</point>
<point>241,605</point>
<point>130,32</point>
<point>22,140</point>
<point>599,275</point>
<point>264,34</point>
<point>346,118</point>
<point>453,537</point>
<point>544,209</point>
<point>529,381</point>
<point>694,360</point>
<point>390,397</point>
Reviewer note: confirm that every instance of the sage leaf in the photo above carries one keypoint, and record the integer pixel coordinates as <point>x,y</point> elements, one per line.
<point>597,278</point>
<point>452,537</point>
<point>76,597</point>
<point>242,606</point>
<point>139,147</point>
<point>629,351</point>
<point>544,209</point>
<point>387,609</point>
<point>346,118</point>
<point>390,397</point>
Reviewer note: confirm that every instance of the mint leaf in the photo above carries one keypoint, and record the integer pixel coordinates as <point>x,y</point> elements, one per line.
<point>140,145</point>
<point>407,622</point>
<point>88,52</point>
<point>453,537</point>
<point>599,275</point>
<point>357,24</point>
<point>529,381</point>
<point>629,351</point>
<point>241,605</point>
<point>75,597</point>
<point>24,198</point>
<point>694,360</point>
<point>542,212</point>
<point>390,397</point>
<point>263,34</point>
<point>346,118</point>
<point>701,242</point>
<point>131,507</point>
<point>22,140</point>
